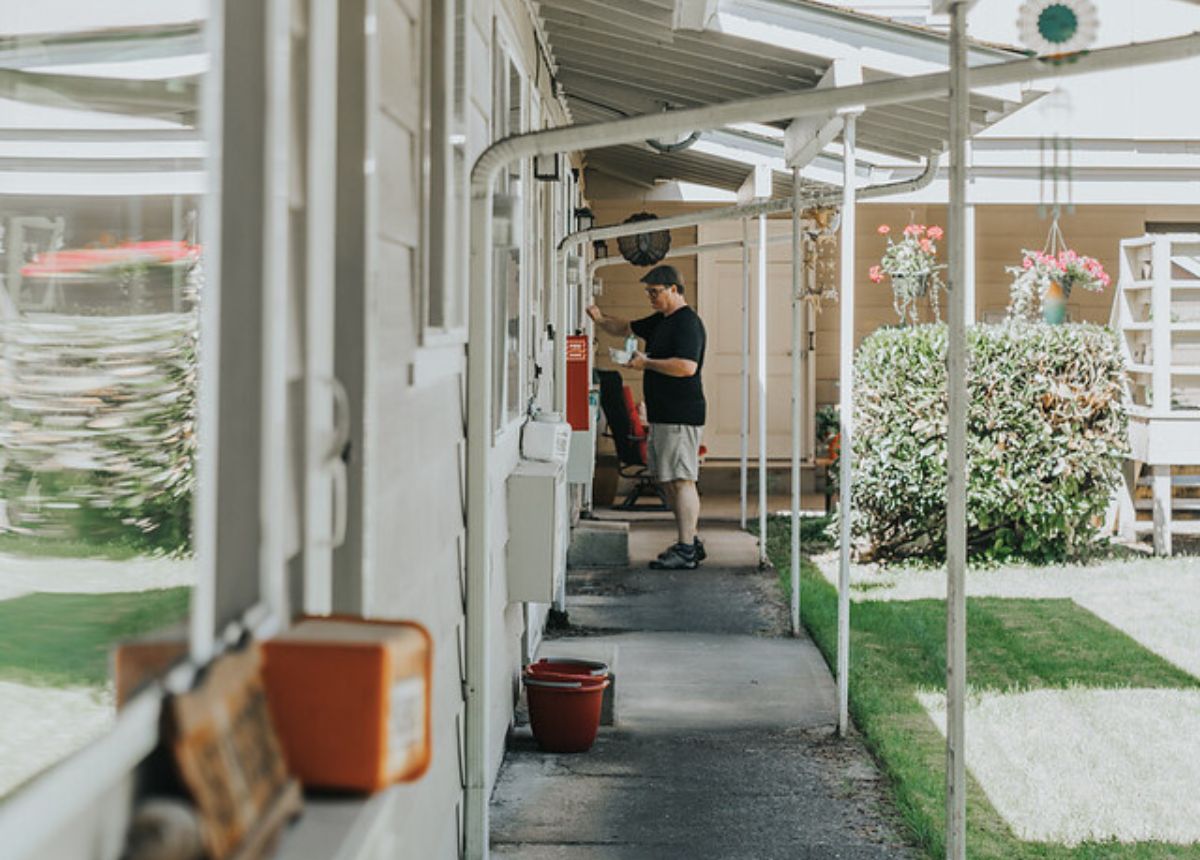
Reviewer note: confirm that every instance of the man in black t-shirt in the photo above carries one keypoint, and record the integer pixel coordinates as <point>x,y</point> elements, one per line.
<point>675,405</point>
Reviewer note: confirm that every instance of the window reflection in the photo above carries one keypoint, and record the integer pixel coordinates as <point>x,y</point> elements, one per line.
<point>101,276</point>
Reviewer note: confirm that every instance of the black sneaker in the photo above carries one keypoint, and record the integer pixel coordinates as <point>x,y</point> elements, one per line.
<point>697,548</point>
<point>679,557</point>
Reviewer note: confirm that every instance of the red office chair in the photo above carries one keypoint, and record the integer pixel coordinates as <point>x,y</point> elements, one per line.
<point>629,437</point>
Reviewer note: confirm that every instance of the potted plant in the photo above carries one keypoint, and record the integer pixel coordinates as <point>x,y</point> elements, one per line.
<point>828,428</point>
<point>912,266</point>
<point>1044,280</point>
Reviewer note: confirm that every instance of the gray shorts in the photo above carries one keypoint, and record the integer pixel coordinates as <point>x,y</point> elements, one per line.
<point>674,452</point>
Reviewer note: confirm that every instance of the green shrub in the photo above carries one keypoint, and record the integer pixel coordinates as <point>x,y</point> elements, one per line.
<point>1046,436</point>
<point>97,436</point>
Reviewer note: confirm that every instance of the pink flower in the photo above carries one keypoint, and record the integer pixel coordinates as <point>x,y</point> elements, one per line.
<point>884,229</point>
<point>936,233</point>
<point>912,230</point>
<point>875,274</point>
<point>1027,263</point>
<point>926,246</point>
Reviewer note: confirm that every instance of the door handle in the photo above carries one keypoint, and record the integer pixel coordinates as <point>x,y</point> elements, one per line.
<point>336,457</point>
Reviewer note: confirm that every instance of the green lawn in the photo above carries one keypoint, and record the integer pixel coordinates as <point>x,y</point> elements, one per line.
<point>64,639</point>
<point>899,647</point>
<point>46,547</point>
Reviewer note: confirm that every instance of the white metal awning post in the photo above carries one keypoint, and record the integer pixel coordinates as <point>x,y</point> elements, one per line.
<point>757,187</point>
<point>744,431</point>
<point>956,461</point>
<point>798,268</point>
<point>845,418</point>
<point>479,348</point>
<point>762,390</point>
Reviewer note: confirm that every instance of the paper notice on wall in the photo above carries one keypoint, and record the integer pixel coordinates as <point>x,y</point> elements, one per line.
<point>406,723</point>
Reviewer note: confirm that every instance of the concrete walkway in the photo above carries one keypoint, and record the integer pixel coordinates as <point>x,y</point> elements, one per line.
<point>724,743</point>
<point>21,575</point>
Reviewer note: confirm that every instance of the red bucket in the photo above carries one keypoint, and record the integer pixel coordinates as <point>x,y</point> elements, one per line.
<point>564,710</point>
<point>568,666</point>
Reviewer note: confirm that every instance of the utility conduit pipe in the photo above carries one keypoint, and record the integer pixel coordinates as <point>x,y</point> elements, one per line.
<point>872,192</point>
<point>789,105</point>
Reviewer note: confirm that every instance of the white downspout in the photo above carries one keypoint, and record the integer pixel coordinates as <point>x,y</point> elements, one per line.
<point>846,419</point>
<point>780,106</point>
<point>479,522</point>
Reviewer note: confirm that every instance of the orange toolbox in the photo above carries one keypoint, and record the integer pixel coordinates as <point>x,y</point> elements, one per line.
<point>351,700</point>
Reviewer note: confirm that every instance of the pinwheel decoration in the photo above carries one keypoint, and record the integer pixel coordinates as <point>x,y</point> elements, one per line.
<point>1053,28</point>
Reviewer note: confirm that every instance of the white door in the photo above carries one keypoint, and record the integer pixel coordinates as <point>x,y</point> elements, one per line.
<point>719,303</point>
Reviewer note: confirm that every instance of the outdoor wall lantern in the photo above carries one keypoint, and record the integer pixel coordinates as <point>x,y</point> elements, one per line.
<point>584,219</point>
<point>546,168</point>
<point>600,249</point>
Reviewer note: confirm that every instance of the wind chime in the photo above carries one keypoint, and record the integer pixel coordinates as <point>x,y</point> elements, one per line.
<point>1057,31</point>
<point>820,226</point>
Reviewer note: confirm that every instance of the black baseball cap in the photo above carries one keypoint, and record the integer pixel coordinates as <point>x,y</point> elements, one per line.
<point>663,276</point>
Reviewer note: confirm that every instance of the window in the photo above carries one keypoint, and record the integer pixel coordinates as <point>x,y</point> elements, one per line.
<point>101,273</point>
<point>446,203</point>
<point>510,238</point>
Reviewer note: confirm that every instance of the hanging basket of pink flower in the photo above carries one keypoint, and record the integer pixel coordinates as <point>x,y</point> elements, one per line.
<point>1043,282</point>
<point>911,264</point>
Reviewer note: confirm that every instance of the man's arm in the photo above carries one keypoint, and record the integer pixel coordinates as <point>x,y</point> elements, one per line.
<point>612,325</point>
<point>666,366</point>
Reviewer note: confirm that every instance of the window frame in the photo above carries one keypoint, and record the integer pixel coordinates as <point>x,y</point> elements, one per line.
<point>507,380</point>
<point>85,800</point>
<point>445,180</point>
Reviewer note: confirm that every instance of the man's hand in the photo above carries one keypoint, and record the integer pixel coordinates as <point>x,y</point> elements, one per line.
<point>637,361</point>
<point>612,325</point>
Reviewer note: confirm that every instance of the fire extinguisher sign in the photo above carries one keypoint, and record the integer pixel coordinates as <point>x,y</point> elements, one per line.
<point>578,382</point>
<point>577,348</point>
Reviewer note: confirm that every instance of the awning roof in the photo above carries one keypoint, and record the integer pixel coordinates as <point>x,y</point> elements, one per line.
<point>627,57</point>
<point>102,113</point>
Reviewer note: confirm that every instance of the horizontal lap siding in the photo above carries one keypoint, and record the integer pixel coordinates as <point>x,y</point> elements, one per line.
<point>413,441</point>
<point>415,436</point>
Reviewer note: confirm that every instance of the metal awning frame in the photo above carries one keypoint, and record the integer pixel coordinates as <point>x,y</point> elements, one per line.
<point>770,108</point>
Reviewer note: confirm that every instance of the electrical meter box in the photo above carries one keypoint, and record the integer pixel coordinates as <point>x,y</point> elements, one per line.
<point>537,530</point>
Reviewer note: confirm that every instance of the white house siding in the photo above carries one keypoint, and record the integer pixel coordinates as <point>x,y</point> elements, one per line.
<point>413,438</point>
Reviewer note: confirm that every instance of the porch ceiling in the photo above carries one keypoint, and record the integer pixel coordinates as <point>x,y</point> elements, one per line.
<point>618,58</point>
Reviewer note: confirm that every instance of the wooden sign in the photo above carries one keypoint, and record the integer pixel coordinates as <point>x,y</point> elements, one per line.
<point>230,758</point>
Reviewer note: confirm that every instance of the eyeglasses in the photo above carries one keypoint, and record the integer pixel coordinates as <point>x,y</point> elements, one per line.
<point>653,292</point>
